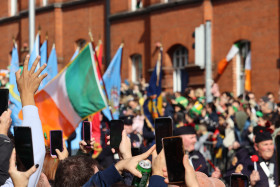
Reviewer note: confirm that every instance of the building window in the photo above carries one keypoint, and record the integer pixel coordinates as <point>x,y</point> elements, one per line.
<point>180,60</point>
<point>136,68</point>
<point>136,4</point>
<point>13,7</point>
<point>244,49</point>
<point>44,2</point>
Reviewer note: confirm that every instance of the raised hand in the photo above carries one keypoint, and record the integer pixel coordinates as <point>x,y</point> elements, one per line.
<point>28,82</point>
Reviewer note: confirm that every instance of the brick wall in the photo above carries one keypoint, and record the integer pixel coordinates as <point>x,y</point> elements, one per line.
<point>257,22</point>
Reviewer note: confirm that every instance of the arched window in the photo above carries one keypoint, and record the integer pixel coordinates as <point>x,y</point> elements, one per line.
<point>136,68</point>
<point>180,60</point>
<point>44,2</point>
<point>242,58</point>
<point>13,7</point>
<point>136,4</point>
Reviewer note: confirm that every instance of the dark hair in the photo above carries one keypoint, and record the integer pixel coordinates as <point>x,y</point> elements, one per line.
<point>269,93</point>
<point>74,171</point>
<point>212,106</point>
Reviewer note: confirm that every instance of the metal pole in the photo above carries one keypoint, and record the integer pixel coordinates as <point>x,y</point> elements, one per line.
<point>31,24</point>
<point>208,66</point>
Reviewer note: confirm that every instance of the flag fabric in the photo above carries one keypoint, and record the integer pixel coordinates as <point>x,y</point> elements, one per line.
<point>224,62</point>
<point>14,97</point>
<point>75,54</point>
<point>43,60</point>
<point>51,68</point>
<point>73,95</point>
<point>197,107</point>
<point>35,52</point>
<point>43,53</point>
<point>112,81</point>
<point>248,86</point>
<point>153,104</point>
<point>95,118</point>
<point>99,52</point>
<point>4,72</point>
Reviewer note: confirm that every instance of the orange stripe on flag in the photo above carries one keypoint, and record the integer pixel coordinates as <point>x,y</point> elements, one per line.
<point>248,86</point>
<point>222,66</point>
<point>51,116</point>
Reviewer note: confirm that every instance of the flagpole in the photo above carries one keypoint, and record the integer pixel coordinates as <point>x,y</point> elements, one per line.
<point>31,24</point>
<point>93,47</point>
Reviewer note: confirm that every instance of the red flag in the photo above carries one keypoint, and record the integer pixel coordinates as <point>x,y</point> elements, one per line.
<point>95,120</point>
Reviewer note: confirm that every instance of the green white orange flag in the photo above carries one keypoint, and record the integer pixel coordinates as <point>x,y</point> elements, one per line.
<point>224,62</point>
<point>248,86</point>
<point>73,95</point>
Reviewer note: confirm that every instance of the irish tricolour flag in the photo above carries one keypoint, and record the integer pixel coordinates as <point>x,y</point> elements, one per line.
<point>73,95</point>
<point>224,62</point>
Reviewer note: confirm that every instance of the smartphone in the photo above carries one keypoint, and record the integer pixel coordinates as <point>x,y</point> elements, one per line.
<point>24,148</point>
<point>4,100</point>
<point>163,128</point>
<point>174,153</point>
<point>116,128</point>
<point>87,130</point>
<point>56,141</point>
<point>239,180</point>
<point>277,144</point>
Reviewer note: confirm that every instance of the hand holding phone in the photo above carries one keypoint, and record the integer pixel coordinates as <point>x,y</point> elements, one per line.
<point>56,142</point>
<point>24,148</point>
<point>174,154</point>
<point>4,100</point>
<point>163,128</point>
<point>87,131</point>
<point>239,180</point>
<point>116,128</point>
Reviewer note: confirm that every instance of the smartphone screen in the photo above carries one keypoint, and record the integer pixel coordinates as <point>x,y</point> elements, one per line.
<point>4,100</point>
<point>239,180</point>
<point>24,148</point>
<point>163,128</point>
<point>116,128</point>
<point>56,141</point>
<point>87,132</point>
<point>173,150</point>
<point>277,143</point>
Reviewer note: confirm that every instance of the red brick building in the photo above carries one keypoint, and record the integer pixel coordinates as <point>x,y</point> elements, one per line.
<point>140,24</point>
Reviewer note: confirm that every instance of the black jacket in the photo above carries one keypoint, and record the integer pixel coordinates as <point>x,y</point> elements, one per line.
<point>6,148</point>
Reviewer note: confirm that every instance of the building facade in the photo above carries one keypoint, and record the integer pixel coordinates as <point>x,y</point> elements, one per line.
<point>179,25</point>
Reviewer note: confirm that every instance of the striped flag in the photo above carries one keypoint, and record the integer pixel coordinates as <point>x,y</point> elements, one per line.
<point>248,86</point>
<point>95,118</point>
<point>224,62</point>
<point>73,95</point>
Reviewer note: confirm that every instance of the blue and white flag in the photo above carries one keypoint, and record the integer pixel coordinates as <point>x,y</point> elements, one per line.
<point>51,68</point>
<point>35,52</point>
<point>43,60</point>
<point>112,81</point>
<point>15,105</point>
<point>75,54</point>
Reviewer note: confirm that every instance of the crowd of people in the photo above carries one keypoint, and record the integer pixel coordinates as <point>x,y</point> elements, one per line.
<point>219,138</point>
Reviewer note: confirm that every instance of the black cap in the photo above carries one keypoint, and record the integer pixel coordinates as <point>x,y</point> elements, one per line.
<point>262,136</point>
<point>128,120</point>
<point>258,129</point>
<point>184,130</point>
